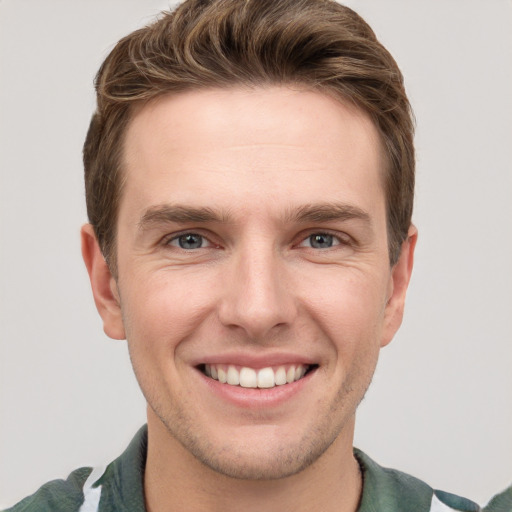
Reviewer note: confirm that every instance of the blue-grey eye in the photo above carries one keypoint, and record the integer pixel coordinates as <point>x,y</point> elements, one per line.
<point>190,241</point>
<point>321,241</point>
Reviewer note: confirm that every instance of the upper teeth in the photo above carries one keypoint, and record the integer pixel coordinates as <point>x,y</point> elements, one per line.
<point>251,378</point>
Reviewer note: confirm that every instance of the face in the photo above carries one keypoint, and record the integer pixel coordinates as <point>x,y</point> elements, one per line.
<point>254,286</point>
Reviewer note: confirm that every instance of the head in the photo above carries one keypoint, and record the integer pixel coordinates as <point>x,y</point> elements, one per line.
<point>317,44</point>
<point>249,177</point>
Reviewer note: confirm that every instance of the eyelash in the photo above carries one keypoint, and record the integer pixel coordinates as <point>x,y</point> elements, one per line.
<point>337,240</point>
<point>176,238</point>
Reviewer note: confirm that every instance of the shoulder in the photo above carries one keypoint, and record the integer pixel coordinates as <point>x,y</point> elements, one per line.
<point>502,502</point>
<point>118,486</point>
<point>57,495</point>
<point>389,490</point>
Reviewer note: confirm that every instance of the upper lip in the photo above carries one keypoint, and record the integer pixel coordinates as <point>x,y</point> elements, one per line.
<point>256,361</point>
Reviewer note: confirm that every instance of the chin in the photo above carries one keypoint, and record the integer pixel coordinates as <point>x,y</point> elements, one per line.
<point>260,453</point>
<point>267,464</point>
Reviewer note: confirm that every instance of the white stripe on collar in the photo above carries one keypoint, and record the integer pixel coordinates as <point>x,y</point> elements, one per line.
<point>92,494</point>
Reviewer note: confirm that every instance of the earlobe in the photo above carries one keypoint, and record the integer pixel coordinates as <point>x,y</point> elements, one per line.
<point>103,284</point>
<point>399,282</point>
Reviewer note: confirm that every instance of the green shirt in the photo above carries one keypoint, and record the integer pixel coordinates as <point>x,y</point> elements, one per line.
<point>119,487</point>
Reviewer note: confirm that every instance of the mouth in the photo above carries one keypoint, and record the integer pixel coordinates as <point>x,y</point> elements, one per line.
<point>263,378</point>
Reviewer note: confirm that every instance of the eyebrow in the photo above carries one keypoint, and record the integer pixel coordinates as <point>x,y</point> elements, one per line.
<point>324,212</point>
<point>327,212</point>
<point>179,214</point>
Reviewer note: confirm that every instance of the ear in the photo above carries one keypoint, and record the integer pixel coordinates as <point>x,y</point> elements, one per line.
<point>103,284</point>
<point>398,284</point>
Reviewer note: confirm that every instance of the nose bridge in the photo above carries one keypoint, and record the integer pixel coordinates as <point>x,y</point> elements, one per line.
<point>257,297</point>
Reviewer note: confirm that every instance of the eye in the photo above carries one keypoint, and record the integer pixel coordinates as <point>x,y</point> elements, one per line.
<point>189,241</point>
<point>320,241</point>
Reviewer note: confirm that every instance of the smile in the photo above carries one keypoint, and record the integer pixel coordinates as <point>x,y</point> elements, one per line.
<point>264,378</point>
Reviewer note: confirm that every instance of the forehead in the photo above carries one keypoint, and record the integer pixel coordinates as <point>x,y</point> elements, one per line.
<point>291,145</point>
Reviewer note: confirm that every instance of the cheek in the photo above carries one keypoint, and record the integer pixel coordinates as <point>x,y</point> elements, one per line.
<point>349,307</point>
<point>163,309</point>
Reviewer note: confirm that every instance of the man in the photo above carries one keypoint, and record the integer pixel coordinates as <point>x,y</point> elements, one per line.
<point>249,179</point>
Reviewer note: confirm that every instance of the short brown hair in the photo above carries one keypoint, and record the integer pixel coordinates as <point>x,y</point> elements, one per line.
<point>319,44</point>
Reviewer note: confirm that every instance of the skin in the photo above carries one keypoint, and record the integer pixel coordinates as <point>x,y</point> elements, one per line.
<point>271,167</point>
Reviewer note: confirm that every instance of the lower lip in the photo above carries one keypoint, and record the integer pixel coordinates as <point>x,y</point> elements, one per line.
<point>253,398</point>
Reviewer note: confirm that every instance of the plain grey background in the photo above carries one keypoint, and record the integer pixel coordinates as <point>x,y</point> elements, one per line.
<point>441,403</point>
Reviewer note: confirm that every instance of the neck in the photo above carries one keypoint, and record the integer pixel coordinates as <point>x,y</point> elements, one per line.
<point>175,480</point>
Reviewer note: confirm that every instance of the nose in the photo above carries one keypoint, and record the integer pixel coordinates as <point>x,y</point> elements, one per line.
<point>258,298</point>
